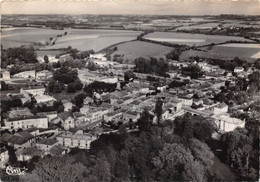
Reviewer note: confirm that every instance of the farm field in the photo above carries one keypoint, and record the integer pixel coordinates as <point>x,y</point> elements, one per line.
<point>15,37</point>
<point>227,51</point>
<point>135,49</point>
<point>190,39</point>
<point>200,26</point>
<point>42,53</point>
<point>87,39</point>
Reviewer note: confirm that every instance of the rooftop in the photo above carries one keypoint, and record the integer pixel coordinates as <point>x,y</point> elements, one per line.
<point>48,142</point>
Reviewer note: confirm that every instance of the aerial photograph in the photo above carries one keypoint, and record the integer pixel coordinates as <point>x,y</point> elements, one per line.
<point>130,91</point>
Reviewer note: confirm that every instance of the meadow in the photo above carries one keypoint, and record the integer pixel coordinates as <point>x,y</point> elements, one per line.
<point>87,39</point>
<point>190,39</point>
<point>16,37</point>
<point>135,49</point>
<point>226,51</point>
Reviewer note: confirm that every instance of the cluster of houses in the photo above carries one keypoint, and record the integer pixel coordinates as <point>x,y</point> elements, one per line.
<point>56,133</point>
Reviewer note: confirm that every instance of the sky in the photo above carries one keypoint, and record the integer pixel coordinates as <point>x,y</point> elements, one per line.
<point>159,7</point>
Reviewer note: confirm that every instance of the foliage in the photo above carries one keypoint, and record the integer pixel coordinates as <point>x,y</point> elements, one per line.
<point>78,99</point>
<point>17,55</point>
<point>158,109</point>
<point>194,71</point>
<point>176,163</point>
<point>174,55</point>
<point>74,86</point>
<point>65,75</point>
<point>56,169</point>
<point>55,86</point>
<point>129,75</point>
<point>152,65</point>
<point>99,87</point>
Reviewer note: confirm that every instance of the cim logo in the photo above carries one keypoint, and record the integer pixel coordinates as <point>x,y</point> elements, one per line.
<point>15,170</point>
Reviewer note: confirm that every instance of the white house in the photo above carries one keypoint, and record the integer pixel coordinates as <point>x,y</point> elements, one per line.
<point>98,56</point>
<point>4,156</point>
<point>238,69</point>
<point>220,109</point>
<point>75,140</point>
<point>26,122</point>
<point>38,90</point>
<point>225,123</point>
<point>25,74</point>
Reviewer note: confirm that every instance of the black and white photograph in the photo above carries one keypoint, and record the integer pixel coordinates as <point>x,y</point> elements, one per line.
<point>130,90</point>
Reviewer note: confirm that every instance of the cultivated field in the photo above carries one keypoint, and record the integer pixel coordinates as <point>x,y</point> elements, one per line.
<point>190,39</point>
<point>135,49</point>
<point>200,26</point>
<point>227,51</point>
<point>87,39</point>
<point>15,37</point>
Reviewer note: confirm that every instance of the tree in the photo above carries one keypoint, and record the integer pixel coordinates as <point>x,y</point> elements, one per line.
<point>144,122</point>
<point>194,71</point>
<point>129,75</point>
<point>4,86</point>
<point>46,59</point>
<point>158,109</point>
<point>201,152</point>
<point>174,55</point>
<point>203,128</point>
<point>187,129</point>
<point>54,169</point>
<point>101,169</point>
<point>91,66</point>
<point>176,163</point>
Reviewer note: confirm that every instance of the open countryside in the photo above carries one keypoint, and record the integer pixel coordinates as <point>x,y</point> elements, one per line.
<point>93,39</point>
<point>15,37</point>
<point>191,39</point>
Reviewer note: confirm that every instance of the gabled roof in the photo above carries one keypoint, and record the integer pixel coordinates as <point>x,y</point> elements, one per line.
<point>56,150</point>
<point>9,138</point>
<point>25,134</point>
<point>77,114</point>
<point>48,141</point>
<point>64,115</point>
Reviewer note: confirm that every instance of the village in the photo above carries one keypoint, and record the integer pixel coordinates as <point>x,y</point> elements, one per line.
<point>56,132</point>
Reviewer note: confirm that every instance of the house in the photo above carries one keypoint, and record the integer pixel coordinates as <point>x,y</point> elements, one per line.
<point>50,115</point>
<point>33,131</point>
<point>79,118</point>
<point>43,75</point>
<point>19,112</point>
<point>44,99</point>
<point>225,123</point>
<point>28,153</point>
<point>88,100</point>
<point>58,151</point>
<point>67,105</point>
<point>131,116</point>
<point>4,156</point>
<point>220,109</point>
<point>67,121</point>
<point>46,145</point>
<point>94,114</point>
<point>17,142</point>
<point>4,74</point>
<point>34,91</point>
<point>186,101</point>
<point>176,103</point>
<point>98,56</point>
<point>75,140</point>
<point>113,116</point>
<point>25,74</point>
<point>238,69</point>
<point>26,122</point>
